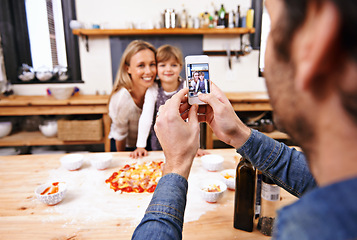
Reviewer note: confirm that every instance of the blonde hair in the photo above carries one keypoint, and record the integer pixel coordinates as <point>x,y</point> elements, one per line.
<point>165,52</point>
<point>123,78</point>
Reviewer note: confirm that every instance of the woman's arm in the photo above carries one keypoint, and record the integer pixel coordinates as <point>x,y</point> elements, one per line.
<point>120,145</point>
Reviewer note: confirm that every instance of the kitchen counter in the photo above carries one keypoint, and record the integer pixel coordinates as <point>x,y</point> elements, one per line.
<point>22,216</point>
<point>47,105</point>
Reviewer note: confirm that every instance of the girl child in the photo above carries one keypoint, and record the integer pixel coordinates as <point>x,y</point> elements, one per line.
<point>169,65</point>
<point>136,73</point>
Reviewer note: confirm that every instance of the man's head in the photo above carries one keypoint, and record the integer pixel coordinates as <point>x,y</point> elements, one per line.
<point>311,58</point>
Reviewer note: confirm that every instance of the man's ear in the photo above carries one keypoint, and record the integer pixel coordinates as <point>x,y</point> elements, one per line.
<point>318,36</point>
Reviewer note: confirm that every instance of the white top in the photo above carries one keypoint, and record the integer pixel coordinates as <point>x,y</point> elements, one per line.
<point>125,115</point>
<point>147,116</point>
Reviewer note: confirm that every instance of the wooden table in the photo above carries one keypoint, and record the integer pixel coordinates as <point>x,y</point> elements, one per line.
<point>48,105</point>
<point>22,216</point>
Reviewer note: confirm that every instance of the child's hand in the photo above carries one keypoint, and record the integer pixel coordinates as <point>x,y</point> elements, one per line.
<point>201,152</point>
<point>139,153</point>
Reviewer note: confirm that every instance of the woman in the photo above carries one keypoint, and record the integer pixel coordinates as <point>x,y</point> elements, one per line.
<point>136,73</point>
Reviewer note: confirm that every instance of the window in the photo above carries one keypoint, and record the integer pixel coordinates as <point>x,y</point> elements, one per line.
<point>37,33</point>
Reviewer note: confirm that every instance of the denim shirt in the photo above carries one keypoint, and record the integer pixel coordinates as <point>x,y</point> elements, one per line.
<point>321,213</point>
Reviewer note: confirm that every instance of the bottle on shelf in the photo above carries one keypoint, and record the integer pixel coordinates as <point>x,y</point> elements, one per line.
<point>250,18</point>
<point>270,197</point>
<point>231,17</point>
<point>221,17</point>
<point>189,22</point>
<point>215,19</point>
<point>244,207</point>
<point>238,17</point>
<point>205,20</point>
<point>183,19</point>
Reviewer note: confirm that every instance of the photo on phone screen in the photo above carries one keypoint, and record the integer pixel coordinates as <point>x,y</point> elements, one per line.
<point>198,79</point>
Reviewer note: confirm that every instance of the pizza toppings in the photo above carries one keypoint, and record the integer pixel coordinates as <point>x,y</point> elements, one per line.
<point>137,178</point>
<point>212,188</point>
<point>51,189</point>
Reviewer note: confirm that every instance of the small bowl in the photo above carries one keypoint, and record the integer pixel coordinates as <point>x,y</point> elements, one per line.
<point>61,93</point>
<point>101,161</point>
<point>51,199</point>
<point>212,197</point>
<point>49,128</point>
<point>212,162</point>
<point>5,128</point>
<point>72,162</point>
<point>228,176</point>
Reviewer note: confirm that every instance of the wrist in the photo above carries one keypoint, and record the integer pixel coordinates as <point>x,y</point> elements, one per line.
<point>241,136</point>
<point>181,166</point>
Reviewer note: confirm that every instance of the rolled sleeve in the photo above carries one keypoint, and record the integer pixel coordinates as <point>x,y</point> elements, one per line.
<point>286,166</point>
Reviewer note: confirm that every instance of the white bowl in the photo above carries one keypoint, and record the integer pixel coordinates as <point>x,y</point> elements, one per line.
<point>212,162</point>
<point>49,129</point>
<point>228,176</point>
<point>61,93</point>
<point>26,76</point>
<point>74,24</point>
<point>212,197</point>
<point>51,199</point>
<point>72,161</point>
<point>100,161</point>
<point>5,128</point>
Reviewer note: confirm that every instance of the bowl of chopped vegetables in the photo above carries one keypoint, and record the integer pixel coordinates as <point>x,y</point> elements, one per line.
<point>51,193</point>
<point>212,190</point>
<point>228,176</point>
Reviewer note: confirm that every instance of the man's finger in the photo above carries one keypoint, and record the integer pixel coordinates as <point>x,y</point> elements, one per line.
<point>192,115</point>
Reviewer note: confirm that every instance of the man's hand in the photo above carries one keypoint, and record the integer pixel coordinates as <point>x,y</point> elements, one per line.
<point>179,139</point>
<point>220,115</point>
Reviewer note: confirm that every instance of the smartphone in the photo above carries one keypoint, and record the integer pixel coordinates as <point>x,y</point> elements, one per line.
<point>197,77</point>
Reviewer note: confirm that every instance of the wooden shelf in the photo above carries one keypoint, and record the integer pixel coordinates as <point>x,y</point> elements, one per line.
<point>38,139</point>
<point>47,105</point>
<point>162,31</point>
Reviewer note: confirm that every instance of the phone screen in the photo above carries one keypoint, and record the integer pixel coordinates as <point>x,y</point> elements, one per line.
<point>198,79</point>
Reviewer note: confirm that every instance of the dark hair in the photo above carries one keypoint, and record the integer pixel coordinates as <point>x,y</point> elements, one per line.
<point>295,14</point>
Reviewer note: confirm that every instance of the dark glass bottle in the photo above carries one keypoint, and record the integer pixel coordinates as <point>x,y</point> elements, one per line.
<point>238,17</point>
<point>221,17</point>
<point>270,197</point>
<point>244,196</point>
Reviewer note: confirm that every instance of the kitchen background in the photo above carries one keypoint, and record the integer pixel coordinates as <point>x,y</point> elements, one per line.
<point>96,64</point>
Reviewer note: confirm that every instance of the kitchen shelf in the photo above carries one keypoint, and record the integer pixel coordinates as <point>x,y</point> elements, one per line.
<point>162,31</point>
<point>47,105</point>
<point>38,139</point>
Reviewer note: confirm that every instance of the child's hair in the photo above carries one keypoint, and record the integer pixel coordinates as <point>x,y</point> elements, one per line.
<point>123,78</point>
<point>165,52</point>
<point>201,74</point>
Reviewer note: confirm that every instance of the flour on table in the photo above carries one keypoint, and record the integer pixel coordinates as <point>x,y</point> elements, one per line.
<point>90,199</point>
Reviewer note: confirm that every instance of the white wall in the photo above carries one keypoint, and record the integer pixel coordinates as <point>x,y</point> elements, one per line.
<point>96,64</point>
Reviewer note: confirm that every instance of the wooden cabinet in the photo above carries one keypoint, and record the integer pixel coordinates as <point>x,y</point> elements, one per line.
<point>47,105</point>
<point>246,102</point>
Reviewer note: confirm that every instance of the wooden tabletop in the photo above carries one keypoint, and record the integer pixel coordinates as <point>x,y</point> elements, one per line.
<point>22,216</point>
